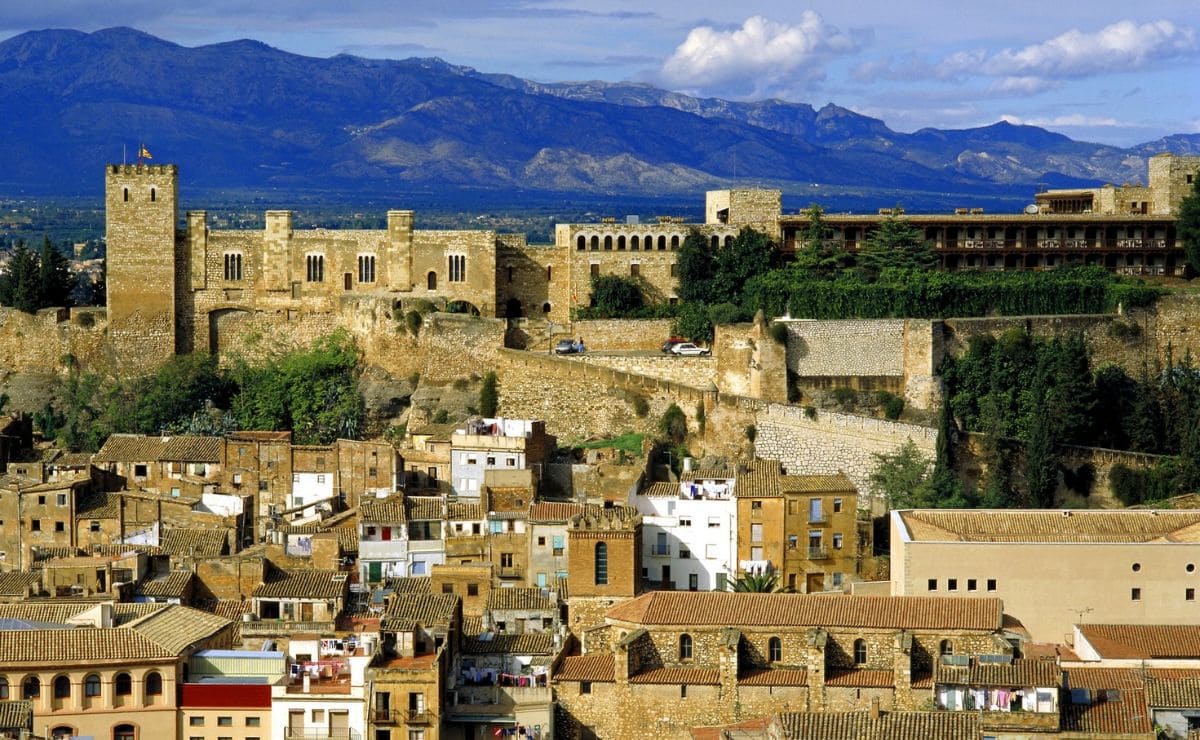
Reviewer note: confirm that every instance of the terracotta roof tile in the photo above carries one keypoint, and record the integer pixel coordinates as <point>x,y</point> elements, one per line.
<point>385,511</point>
<point>530,643</point>
<point>201,543</point>
<point>16,714</point>
<point>888,726</point>
<point>816,484</point>
<point>173,585</point>
<point>302,584</point>
<point>42,646</point>
<point>981,525</point>
<point>98,505</point>
<point>661,490</point>
<point>774,677</point>
<point>555,511</point>
<point>1103,678</point>
<point>761,480</point>
<point>1173,693</point>
<point>688,676</point>
<point>724,472</point>
<point>138,448</point>
<point>17,583</point>
<point>427,610</point>
<point>176,627</point>
<point>1128,715</point>
<point>1017,674</point>
<point>861,679</point>
<point>595,668</point>
<point>795,610</point>
<point>425,507</point>
<point>1138,641</point>
<point>520,598</point>
<point>459,511</point>
<point>410,584</point>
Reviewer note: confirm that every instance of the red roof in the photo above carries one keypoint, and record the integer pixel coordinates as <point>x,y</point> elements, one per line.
<point>597,668</point>
<point>226,696</point>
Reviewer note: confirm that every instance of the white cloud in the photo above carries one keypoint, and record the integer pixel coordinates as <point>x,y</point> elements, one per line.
<point>758,59</point>
<point>1072,119</point>
<point>1124,45</point>
<point>1022,85</point>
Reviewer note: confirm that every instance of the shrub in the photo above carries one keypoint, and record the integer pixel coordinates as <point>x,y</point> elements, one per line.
<point>460,384</point>
<point>1125,331</point>
<point>414,379</point>
<point>489,398</point>
<point>693,323</point>
<point>893,407</point>
<point>724,313</point>
<point>616,296</point>
<point>751,433</point>
<point>673,425</point>
<point>811,412</point>
<point>641,407</point>
<point>413,321</point>
<point>845,397</point>
<point>423,306</point>
<point>701,417</point>
<point>441,417</point>
<point>779,332</point>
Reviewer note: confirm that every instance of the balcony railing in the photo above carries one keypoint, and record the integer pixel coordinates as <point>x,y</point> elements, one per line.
<point>316,733</point>
<point>419,716</point>
<point>1049,243</point>
<point>510,571</point>
<point>817,553</point>
<point>384,716</point>
<point>983,243</point>
<point>276,626</point>
<point>659,551</point>
<point>817,518</point>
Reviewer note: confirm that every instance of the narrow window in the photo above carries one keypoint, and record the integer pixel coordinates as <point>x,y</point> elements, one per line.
<point>125,195</point>
<point>315,264</point>
<point>601,564</point>
<point>581,243</point>
<point>431,280</point>
<point>608,244</point>
<point>153,683</point>
<point>31,688</point>
<point>91,685</point>
<point>991,584</point>
<point>153,195</point>
<point>945,647</point>
<point>549,272</point>
<point>1135,594</point>
<point>62,687</point>
<point>774,650</point>
<point>123,684</point>
<point>1189,594</point>
<point>233,266</point>
<point>860,652</point>
<point>635,269</point>
<point>685,647</point>
<point>366,268</point>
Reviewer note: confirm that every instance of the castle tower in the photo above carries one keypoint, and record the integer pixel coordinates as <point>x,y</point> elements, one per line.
<point>141,204</point>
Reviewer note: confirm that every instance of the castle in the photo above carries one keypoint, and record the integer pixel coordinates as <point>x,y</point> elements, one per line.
<point>197,289</point>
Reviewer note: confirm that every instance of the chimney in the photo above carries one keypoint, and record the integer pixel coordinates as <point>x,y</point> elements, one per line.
<point>874,707</point>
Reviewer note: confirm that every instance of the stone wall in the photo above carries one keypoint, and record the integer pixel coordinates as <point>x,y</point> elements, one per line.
<point>42,342</point>
<point>832,442</point>
<point>750,362</point>
<point>621,334</point>
<point>1107,347</point>
<point>697,372</point>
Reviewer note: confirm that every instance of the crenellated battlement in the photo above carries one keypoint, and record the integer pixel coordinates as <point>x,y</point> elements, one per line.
<point>143,169</point>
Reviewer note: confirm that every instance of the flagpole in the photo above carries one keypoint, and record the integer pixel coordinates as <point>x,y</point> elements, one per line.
<point>124,154</point>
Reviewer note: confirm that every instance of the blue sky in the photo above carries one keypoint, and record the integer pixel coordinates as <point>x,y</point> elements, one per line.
<point>1113,72</point>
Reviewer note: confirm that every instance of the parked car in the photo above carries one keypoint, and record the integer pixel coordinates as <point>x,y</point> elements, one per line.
<point>669,345</point>
<point>689,349</point>
<point>568,347</point>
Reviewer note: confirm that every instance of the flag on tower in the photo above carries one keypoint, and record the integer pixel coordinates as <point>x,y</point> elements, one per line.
<point>143,152</point>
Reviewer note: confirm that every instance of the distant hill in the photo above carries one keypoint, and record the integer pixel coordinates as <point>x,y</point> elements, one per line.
<point>245,115</point>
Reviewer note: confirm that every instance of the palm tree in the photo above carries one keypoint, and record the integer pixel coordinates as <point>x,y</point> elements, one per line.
<point>759,583</point>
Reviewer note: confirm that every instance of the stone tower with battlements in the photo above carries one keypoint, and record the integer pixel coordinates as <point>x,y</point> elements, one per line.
<point>141,208</point>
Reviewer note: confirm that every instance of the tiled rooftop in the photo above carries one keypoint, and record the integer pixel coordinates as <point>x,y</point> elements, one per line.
<point>888,726</point>
<point>302,584</point>
<point>1137,641</point>
<point>17,583</point>
<point>520,598</point>
<point>1075,525</point>
<point>687,676</point>
<point>530,643</point>
<point>558,511</point>
<point>661,490</point>
<point>1017,674</point>
<point>16,714</point>
<point>200,543</point>
<point>172,585</point>
<point>595,668</point>
<point>383,511</point>
<point>425,507</point>
<point>137,448</point>
<point>177,627</point>
<point>774,677</point>
<point>861,678</point>
<point>428,610</point>
<point>717,608</point>
<point>1174,692</point>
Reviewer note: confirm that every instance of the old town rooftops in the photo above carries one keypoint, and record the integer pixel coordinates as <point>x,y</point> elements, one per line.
<point>1017,674</point>
<point>596,668</point>
<point>302,584</point>
<point>530,643</point>
<point>717,608</point>
<point>521,599</point>
<point>1049,526</point>
<point>137,448</point>
<point>409,610</point>
<point>886,726</point>
<point>1137,641</point>
<point>389,510</point>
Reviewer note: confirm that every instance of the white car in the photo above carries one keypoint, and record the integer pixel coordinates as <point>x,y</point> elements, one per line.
<point>689,349</point>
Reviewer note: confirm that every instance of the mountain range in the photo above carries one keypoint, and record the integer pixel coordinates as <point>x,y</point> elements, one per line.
<point>243,115</point>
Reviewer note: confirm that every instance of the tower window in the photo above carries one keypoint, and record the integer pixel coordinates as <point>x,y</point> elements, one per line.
<point>153,195</point>
<point>685,647</point>
<point>125,194</point>
<point>458,268</point>
<point>366,268</point>
<point>233,265</point>
<point>601,564</point>
<point>315,264</point>
<point>860,652</point>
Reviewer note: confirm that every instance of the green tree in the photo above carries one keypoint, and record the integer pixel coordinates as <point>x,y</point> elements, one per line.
<point>819,254</point>
<point>673,425</point>
<point>489,398</point>
<point>615,296</point>
<point>55,279</point>
<point>895,245</point>
<point>694,323</point>
<point>1187,225</point>
<point>901,478</point>
<point>748,256</point>
<point>695,266</point>
<point>1041,464</point>
<point>19,285</point>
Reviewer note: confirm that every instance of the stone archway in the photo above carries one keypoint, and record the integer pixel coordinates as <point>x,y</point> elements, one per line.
<point>224,326</point>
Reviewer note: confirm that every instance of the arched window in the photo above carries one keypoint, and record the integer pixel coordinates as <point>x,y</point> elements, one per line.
<point>431,280</point>
<point>662,243</point>
<point>581,243</point>
<point>91,685</point>
<point>860,652</point>
<point>729,241</point>
<point>675,242</point>
<point>314,268</point>
<point>61,732</point>
<point>545,308</point>
<point>634,243</point>
<point>946,648</point>
<point>62,687</point>
<point>3,688</point>
<point>153,683</point>
<point>601,564</point>
<point>774,650</point>
<point>685,647</point>
<point>621,243</point>
<point>595,243</point>
<point>124,732</point>
<point>123,684</point>
<point>716,241</point>
<point>608,244</point>
<point>31,688</point>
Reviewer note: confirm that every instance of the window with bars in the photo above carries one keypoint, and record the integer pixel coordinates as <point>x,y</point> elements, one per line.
<point>233,265</point>
<point>315,264</point>
<point>366,268</point>
<point>457,268</point>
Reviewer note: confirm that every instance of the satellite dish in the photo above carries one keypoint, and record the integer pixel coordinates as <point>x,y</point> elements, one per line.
<point>1031,209</point>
